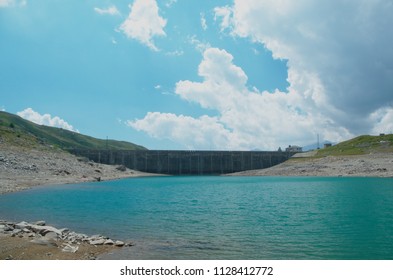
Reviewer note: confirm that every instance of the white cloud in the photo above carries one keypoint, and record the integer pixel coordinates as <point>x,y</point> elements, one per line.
<point>169,3</point>
<point>175,53</point>
<point>225,14</point>
<point>203,132</point>
<point>46,119</point>
<point>340,69</point>
<point>144,23</point>
<point>199,45</point>
<point>203,21</point>
<point>246,119</point>
<point>112,10</point>
<point>383,120</point>
<point>338,52</point>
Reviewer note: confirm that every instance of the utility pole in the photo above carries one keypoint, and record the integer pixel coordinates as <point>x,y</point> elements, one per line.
<point>318,141</point>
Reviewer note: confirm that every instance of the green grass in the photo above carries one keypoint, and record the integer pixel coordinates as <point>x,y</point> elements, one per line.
<point>360,145</point>
<point>18,131</point>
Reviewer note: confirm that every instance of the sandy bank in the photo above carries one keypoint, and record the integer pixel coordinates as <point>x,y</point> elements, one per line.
<point>370,165</point>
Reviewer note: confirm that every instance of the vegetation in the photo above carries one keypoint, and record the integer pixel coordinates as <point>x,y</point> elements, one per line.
<point>360,145</point>
<point>16,130</point>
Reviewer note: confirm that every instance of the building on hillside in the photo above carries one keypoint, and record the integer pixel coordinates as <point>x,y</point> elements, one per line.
<point>294,149</point>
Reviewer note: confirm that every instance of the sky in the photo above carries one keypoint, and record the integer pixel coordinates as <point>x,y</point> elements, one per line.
<point>197,75</point>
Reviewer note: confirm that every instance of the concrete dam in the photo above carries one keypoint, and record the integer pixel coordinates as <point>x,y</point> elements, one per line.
<point>186,162</point>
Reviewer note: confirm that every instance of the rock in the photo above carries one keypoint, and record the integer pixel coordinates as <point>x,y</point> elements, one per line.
<point>44,241</point>
<point>40,223</point>
<point>16,232</point>
<point>64,231</point>
<point>97,242</point>
<point>109,242</point>
<point>43,230</point>
<point>119,243</point>
<point>121,168</point>
<point>51,235</point>
<point>70,249</point>
<point>22,225</point>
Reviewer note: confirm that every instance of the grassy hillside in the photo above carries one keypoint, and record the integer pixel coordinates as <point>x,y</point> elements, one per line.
<point>364,144</point>
<point>16,130</point>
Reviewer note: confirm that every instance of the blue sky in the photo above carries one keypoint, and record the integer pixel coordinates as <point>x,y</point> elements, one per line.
<point>200,74</point>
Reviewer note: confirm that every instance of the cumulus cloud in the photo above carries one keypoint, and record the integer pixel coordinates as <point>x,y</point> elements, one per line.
<point>203,133</point>
<point>342,48</point>
<point>144,23</point>
<point>383,120</point>
<point>46,119</point>
<point>112,10</point>
<point>340,69</point>
<point>247,119</point>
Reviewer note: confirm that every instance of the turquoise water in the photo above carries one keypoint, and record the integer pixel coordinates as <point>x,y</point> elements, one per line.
<point>223,217</point>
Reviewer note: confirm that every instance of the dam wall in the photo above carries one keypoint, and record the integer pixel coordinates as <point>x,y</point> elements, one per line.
<point>186,162</point>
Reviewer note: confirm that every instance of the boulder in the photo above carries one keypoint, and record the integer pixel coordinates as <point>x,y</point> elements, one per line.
<point>70,249</point>
<point>97,242</point>
<point>43,230</point>
<point>44,241</point>
<point>109,242</point>
<point>51,235</point>
<point>22,225</point>
<point>119,243</point>
<point>64,231</point>
<point>40,223</point>
<point>16,232</point>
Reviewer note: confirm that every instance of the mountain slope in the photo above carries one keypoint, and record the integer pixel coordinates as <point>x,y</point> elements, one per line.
<point>360,145</point>
<point>14,129</point>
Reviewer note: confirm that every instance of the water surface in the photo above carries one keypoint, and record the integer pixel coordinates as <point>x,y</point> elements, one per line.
<point>223,217</point>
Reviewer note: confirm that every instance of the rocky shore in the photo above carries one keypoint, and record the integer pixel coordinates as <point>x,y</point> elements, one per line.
<point>25,168</point>
<point>370,165</point>
<point>39,241</point>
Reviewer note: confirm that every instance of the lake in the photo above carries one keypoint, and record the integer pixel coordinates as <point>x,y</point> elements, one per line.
<point>216,217</point>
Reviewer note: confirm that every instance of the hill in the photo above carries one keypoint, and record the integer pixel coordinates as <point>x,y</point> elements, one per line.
<point>363,156</point>
<point>360,145</point>
<point>16,130</point>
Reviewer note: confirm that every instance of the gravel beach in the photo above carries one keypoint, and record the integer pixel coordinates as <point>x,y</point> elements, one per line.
<point>370,165</point>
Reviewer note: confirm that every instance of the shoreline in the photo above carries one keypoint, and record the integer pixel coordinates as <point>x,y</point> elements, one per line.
<point>369,165</point>
<point>26,168</point>
<point>22,169</point>
<point>38,241</point>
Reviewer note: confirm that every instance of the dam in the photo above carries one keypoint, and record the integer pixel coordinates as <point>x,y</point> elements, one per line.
<point>176,162</point>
